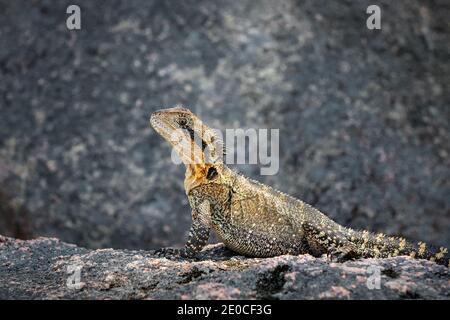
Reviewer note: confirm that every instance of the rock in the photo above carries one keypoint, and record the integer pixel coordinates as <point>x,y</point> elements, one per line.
<point>363,114</point>
<point>47,268</point>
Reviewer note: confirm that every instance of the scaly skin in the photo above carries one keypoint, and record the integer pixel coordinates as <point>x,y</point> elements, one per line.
<point>255,220</point>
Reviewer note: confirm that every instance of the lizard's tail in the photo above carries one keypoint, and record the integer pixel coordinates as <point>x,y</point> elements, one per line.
<point>379,245</point>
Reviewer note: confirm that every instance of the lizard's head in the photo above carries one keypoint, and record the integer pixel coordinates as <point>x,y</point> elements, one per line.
<point>176,126</point>
<point>187,134</point>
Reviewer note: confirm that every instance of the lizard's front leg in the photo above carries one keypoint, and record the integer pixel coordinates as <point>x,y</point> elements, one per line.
<point>198,236</point>
<point>199,233</point>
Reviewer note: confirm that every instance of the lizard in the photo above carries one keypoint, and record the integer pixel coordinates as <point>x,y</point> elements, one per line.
<point>255,220</point>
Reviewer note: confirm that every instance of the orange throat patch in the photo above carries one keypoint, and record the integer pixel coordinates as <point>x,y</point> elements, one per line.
<point>195,176</point>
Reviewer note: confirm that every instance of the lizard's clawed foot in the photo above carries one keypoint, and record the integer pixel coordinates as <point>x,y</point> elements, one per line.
<point>341,254</point>
<point>169,253</point>
<point>173,253</point>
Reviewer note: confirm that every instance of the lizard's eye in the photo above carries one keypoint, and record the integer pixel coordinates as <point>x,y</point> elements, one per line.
<point>182,122</point>
<point>212,173</point>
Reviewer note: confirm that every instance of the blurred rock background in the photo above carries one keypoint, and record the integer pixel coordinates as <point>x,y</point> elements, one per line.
<point>364,115</point>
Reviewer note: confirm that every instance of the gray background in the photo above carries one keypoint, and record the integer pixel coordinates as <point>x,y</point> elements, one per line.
<point>364,116</point>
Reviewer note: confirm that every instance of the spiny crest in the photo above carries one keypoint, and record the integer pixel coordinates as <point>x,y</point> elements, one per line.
<point>422,248</point>
<point>402,244</point>
<point>441,253</point>
<point>379,237</point>
<point>215,144</point>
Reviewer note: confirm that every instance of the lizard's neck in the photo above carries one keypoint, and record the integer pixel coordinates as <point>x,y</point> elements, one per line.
<point>195,176</point>
<point>197,172</point>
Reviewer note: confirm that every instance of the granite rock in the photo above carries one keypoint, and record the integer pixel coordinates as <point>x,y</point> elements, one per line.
<point>46,268</point>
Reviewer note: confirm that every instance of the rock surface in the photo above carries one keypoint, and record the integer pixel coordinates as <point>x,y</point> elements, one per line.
<point>46,268</point>
<point>363,115</point>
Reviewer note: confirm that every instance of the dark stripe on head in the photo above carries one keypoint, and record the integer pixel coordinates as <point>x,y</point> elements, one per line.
<point>192,135</point>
